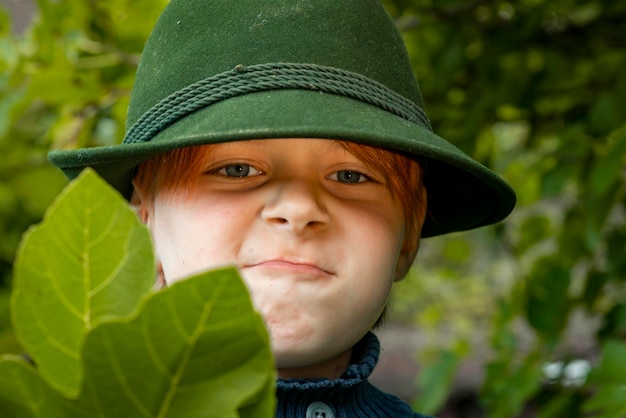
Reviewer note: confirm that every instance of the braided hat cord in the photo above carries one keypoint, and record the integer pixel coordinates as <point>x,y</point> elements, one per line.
<point>275,76</point>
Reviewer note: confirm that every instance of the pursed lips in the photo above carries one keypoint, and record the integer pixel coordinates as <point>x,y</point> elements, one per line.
<point>290,266</point>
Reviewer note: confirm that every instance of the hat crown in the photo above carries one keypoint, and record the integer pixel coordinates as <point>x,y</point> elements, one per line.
<point>196,39</point>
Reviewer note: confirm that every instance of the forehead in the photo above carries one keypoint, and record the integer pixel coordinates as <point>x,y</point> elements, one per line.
<point>283,146</point>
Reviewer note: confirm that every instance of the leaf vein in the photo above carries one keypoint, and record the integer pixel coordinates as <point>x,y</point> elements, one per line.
<point>154,353</point>
<point>33,405</point>
<point>105,232</point>
<point>96,400</point>
<point>86,263</point>
<point>109,279</point>
<point>119,374</point>
<point>50,336</point>
<point>59,293</point>
<point>176,319</point>
<point>193,338</point>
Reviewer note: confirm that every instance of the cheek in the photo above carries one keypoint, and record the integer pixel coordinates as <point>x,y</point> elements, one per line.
<point>377,246</point>
<point>189,238</point>
<point>377,239</point>
<point>371,253</point>
<point>169,246</point>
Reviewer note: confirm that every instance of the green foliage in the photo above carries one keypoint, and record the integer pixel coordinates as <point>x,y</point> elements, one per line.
<point>63,84</point>
<point>547,303</point>
<point>610,379</point>
<point>533,89</point>
<point>105,345</point>
<point>509,385</point>
<point>434,382</point>
<point>92,258</point>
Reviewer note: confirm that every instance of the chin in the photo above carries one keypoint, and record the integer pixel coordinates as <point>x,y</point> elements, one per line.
<point>302,351</point>
<point>291,358</point>
<point>292,349</point>
<point>288,345</point>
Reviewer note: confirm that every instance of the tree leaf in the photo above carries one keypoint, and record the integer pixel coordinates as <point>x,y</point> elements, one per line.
<point>90,258</point>
<point>509,385</point>
<point>610,382</point>
<point>198,349</point>
<point>608,164</point>
<point>195,349</point>
<point>612,368</point>
<point>548,303</point>
<point>435,380</point>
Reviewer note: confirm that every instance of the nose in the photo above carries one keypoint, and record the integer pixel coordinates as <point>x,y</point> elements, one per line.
<point>295,206</point>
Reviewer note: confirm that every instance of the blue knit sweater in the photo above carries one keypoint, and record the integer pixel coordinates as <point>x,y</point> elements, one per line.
<point>349,396</point>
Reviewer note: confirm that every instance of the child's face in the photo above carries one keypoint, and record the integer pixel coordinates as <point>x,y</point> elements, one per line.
<point>316,234</point>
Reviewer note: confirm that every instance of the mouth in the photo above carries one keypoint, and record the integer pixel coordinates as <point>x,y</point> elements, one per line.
<point>294,267</point>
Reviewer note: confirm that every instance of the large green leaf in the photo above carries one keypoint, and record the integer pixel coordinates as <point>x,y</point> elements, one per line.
<point>90,258</point>
<point>197,349</point>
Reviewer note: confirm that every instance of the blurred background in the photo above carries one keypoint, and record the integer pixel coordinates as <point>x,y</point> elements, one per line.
<point>523,319</point>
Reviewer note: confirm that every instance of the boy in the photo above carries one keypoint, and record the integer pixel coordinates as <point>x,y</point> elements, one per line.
<point>288,138</point>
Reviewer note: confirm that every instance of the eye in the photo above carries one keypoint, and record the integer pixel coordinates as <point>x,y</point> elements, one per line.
<point>347,176</point>
<point>238,170</point>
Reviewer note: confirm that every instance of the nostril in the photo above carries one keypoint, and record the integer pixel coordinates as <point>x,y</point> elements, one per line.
<point>296,207</point>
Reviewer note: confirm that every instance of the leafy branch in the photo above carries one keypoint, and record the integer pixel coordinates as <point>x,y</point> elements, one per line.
<point>104,344</point>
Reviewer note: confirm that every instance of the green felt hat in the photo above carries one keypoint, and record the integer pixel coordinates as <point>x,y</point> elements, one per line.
<point>230,70</point>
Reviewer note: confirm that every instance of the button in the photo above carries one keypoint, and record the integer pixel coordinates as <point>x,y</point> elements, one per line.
<point>319,410</point>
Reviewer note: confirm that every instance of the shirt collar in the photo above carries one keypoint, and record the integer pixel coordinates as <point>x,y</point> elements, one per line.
<point>364,358</point>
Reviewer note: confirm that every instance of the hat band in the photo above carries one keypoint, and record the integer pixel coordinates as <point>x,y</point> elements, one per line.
<point>243,80</point>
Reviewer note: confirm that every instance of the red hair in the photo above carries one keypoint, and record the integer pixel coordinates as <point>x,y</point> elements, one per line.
<point>178,169</point>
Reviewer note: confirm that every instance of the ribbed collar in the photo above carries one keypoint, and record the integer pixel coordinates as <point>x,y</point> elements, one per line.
<point>351,395</point>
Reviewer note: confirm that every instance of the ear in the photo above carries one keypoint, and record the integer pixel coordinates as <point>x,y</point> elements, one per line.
<point>411,244</point>
<point>160,280</point>
<point>139,204</point>
<point>407,256</point>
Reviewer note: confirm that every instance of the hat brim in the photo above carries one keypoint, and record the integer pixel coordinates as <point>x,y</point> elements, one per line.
<point>462,194</point>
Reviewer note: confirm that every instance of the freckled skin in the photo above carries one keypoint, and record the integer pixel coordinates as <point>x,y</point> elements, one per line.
<point>314,231</point>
